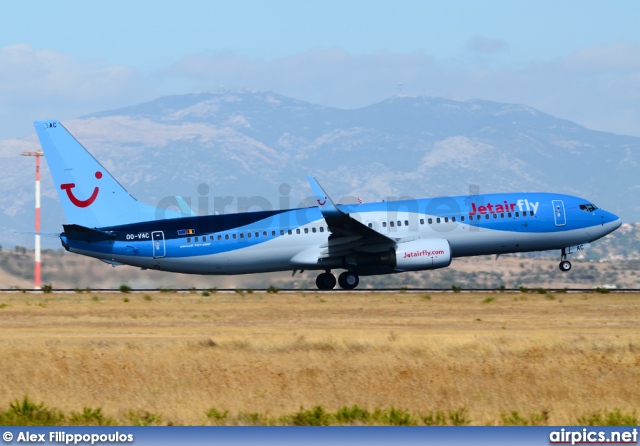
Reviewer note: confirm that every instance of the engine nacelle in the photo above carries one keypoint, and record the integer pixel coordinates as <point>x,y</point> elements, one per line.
<point>423,254</point>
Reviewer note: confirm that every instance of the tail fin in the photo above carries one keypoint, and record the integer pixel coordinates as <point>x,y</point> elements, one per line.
<point>90,196</point>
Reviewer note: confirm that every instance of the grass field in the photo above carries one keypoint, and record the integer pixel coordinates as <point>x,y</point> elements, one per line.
<point>550,358</point>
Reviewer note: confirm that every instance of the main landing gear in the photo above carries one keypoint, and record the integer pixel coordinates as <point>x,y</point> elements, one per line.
<point>565,265</point>
<point>326,281</point>
<point>348,280</point>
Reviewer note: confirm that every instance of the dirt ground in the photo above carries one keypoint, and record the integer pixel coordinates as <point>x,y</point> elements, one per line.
<point>180,355</point>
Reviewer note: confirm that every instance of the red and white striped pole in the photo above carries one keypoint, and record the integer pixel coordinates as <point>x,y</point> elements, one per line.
<point>37,269</point>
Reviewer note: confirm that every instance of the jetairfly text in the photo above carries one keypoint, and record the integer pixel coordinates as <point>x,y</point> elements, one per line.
<point>489,208</point>
<point>423,253</point>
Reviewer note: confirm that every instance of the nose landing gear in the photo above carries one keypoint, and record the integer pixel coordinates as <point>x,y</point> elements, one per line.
<point>565,265</point>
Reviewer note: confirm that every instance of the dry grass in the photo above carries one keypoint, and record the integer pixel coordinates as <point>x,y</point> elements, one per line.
<point>181,354</point>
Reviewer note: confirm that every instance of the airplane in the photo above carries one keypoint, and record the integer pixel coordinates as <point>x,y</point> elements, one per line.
<point>106,222</point>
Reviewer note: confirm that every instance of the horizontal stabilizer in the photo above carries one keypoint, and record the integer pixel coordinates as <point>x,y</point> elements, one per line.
<point>42,234</point>
<point>84,234</point>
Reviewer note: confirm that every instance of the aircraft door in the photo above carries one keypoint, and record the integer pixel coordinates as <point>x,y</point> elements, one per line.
<point>159,247</point>
<point>558,212</point>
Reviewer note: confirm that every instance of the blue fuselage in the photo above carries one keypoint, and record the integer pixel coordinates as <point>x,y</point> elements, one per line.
<point>294,239</point>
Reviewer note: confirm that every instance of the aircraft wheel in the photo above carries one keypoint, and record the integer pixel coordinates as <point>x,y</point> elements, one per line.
<point>565,266</point>
<point>325,281</point>
<point>348,280</point>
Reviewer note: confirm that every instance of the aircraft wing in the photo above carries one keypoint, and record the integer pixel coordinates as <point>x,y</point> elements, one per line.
<point>344,229</point>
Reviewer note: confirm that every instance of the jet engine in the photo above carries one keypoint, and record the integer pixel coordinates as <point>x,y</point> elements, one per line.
<point>415,255</point>
<point>423,254</point>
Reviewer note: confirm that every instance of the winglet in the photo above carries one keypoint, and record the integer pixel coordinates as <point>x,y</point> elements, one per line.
<point>340,223</point>
<point>325,203</point>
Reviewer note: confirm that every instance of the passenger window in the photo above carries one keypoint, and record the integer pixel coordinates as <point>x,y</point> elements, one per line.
<point>531,213</point>
<point>517,214</point>
<point>248,235</point>
<point>273,233</point>
<point>502,215</point>
<point>306,230</point>
<point>399,223</point>
<point>370,225</point>
<point>188,239</point>
<point>462,218</point>
<point>486,217</point>
<point>289,231</point>
<point>438,220</point>
<point>384,224</point>
<point>495,216</point>
<point>391,224</point>
<point>219,237</point>
<point>321,229</point>
<point>453,219</point>
<point>446,219</point>
<point>298,231</point>
<point>406,222</point>
<point>430,221</point>
<point>264,233</point>
<point>509,215</point>
<point>196,239</point>
<point>313,229</point>
<point>422,221</point>
<point>226,236</point>
<point>234,235</point>
<point>242,235</point>
<point>281,231</point>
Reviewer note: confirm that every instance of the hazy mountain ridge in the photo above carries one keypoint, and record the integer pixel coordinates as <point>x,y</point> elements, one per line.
<point>246,143</point>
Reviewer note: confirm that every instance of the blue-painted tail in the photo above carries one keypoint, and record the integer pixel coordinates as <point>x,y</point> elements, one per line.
<point>90,196</point>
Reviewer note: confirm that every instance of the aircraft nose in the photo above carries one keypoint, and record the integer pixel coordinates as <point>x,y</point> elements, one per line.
<point>617,222</point>
<point>611,220</point>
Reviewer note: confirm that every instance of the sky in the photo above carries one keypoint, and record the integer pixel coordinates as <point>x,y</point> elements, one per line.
<point>577,60</point>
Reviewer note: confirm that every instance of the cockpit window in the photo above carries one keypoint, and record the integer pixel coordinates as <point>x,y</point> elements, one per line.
<point>588,207</point>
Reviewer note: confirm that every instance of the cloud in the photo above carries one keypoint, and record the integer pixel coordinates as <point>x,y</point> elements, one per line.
<point>326,76</point>
<point>485,45</point>
<point>596,86</point>
<point>620,57</point>
<point>40,84</point>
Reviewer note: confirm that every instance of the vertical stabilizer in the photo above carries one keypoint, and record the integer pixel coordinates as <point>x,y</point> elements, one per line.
<point>90,196</point>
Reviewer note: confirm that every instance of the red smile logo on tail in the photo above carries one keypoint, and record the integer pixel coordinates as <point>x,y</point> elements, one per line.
<point>81,203</point>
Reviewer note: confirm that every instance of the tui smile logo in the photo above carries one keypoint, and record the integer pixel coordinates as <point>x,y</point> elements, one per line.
<point>75,200</point>
<point>322,203</point>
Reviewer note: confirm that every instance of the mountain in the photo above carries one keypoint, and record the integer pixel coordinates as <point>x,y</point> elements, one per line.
<point>235,150</point>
